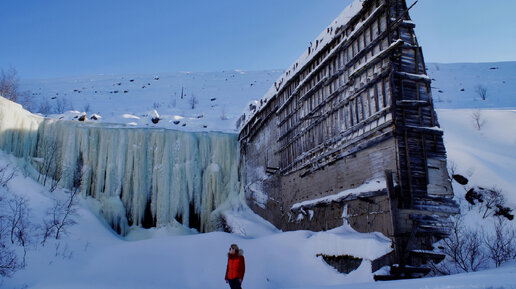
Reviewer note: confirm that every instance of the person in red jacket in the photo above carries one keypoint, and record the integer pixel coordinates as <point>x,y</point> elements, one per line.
<point>236,267</point>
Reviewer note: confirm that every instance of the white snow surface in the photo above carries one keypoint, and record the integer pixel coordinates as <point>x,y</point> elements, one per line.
<point>93,256</point>
<point>136,99</point>
<point>224,96</point>
<point>173,256</point>
<point>369,186</point>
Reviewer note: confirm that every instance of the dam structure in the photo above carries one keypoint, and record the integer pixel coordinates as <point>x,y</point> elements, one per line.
<point>349,134</point>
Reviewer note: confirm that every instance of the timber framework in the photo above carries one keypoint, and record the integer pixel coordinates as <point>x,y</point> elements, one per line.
<point>349,134</point>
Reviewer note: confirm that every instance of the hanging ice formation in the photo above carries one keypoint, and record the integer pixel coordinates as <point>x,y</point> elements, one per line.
<point>143,177</point>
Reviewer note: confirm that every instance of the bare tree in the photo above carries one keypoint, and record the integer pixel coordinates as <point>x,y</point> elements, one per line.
<point>62,215</point>
<point>16,230</point>
<point>6,175</point>
<point>463,251</point>
<point>8,259</point>
<point>9,84</point>
<point>193,101</point>
<point>491,199</point>
<point>223,115</point>
<point>478,119</point>
<point>19,224</point>
<point>481,91</point>
<point>44,107</point>
<point>47,165</point>
<point>86,107</point>
<point>501,246</point>
<point>61,105</point>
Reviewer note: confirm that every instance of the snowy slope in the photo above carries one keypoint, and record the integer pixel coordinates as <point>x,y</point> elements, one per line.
<point>487,156</point>
<point>222,96</point>
<point>455,85</point>
<point>133,99</point>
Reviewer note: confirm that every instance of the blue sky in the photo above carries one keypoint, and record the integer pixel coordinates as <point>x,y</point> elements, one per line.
<point>56,38</point>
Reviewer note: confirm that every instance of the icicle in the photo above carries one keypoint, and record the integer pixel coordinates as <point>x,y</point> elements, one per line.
<point>152,176</point>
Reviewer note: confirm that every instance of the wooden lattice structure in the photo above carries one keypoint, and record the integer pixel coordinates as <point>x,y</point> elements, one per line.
<point>349,133</point>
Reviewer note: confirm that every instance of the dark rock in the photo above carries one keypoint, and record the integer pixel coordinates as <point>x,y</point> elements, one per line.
<point>504,211</point>
<point>82,118</point>
<point>176,122</point>
<point>155,120</point>
<point>472,195</point>
<point>460,179</point>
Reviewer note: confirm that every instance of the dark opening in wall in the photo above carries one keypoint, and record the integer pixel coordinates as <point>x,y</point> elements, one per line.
<point>148,221</point>
<point>194,218</point>
<point>343,263</point>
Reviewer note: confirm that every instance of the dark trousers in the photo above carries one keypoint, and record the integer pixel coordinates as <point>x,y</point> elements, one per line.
<point>234,284</point>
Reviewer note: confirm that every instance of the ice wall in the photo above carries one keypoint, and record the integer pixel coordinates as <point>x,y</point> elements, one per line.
<point>143,177</point>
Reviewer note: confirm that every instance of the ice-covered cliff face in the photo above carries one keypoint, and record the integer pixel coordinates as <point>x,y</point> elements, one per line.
<point>142,177</point>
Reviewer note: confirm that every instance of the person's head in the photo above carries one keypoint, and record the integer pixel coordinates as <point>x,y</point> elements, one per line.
<point>233,249</point>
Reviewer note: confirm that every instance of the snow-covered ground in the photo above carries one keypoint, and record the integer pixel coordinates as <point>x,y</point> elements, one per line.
<point>222,96</point>
<point>217,98</point>
<point>455,85</point>
<point>92,256</point>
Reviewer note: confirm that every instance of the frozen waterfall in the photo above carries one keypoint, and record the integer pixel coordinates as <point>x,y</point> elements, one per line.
<point>143,177</point>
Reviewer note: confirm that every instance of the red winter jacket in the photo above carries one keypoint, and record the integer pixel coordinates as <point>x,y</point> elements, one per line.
<point>236,267</point>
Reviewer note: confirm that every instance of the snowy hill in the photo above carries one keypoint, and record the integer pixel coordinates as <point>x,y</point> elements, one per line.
<point>222,96</point>
<point>183,101</point>
<point>456,85</point>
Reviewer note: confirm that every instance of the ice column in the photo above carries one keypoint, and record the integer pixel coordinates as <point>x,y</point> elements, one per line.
<point>143,177</point>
